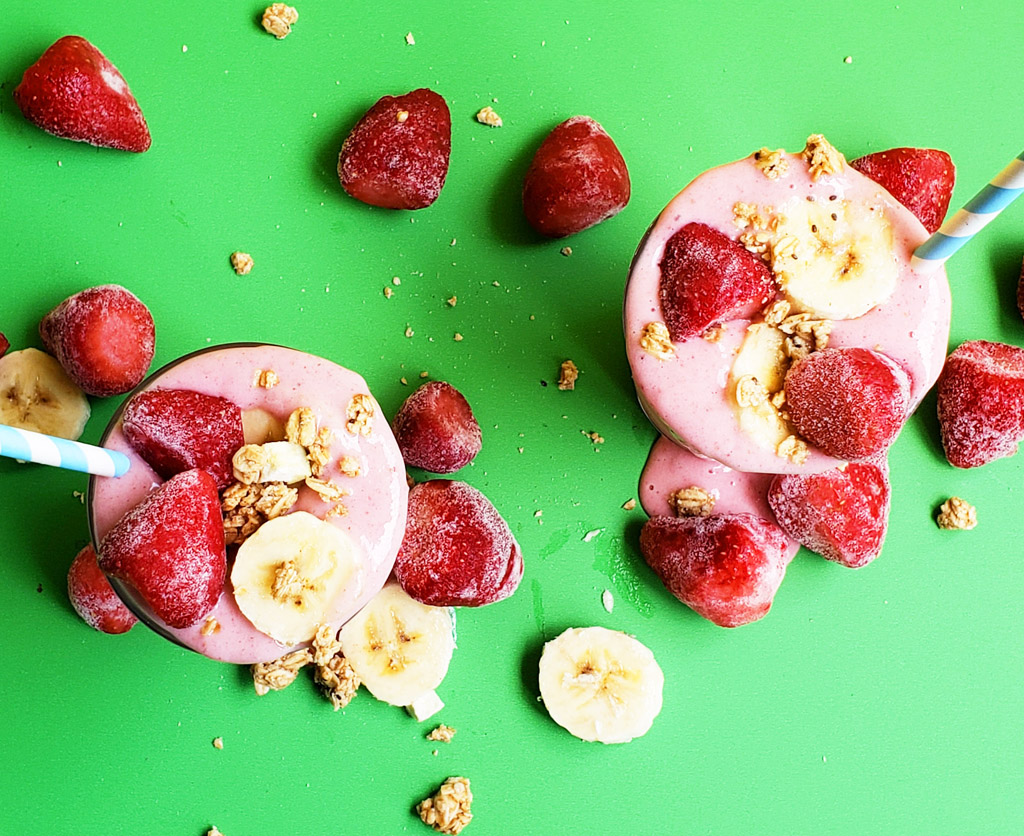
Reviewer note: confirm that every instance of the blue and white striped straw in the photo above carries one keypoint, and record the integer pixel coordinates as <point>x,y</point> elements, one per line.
<point>1001,191</point>
<point>28,446</point>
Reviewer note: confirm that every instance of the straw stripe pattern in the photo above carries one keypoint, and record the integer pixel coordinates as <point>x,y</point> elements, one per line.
<point>1004,188</point>
<point>28,446</point>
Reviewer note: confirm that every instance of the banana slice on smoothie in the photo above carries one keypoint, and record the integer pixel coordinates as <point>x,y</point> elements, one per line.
<point>288,574</point>
<point>400,648</point>
<point>36,394</point>
<point>600,684</point>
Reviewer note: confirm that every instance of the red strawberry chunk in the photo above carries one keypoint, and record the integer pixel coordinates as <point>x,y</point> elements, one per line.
<point>920,178</point>
<point>74,92</point>
<point>457,551</point>
<point>104,338</point>
<point>4,345</point>
<point>94,598</point>
<point>577,179</point>
<point>707,278</point>
<point>178,429</point>
<point>840,514</point>
<point>726,567</point>
<point>436,430</point>
<point>849,402</point>
<point>397,154</point>
<point>981,402</point>
<point>170,548</point>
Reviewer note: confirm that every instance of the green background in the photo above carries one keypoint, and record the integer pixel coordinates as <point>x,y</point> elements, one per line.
<point>887,700</point>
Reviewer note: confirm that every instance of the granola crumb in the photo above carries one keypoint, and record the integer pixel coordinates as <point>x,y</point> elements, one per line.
<point>957,514</point>
<point>424,374</point>
<point>453,301</point>
<point>339,509</point>
<point>448,811</point>
<point>327,490</point>
<point>79,496</point>
<point>319,452</point>
<point>567,375</point>
<point>210,626</point>
<point>595,437</point>
<point>792,448</point>
<point>408,331</point>
<point>714,334</point>
<point>218,743</point>
<point>822,157</point>
<point>265,378</point>
<point>457,337</point>
<point>772,164</point>
<point>442,733</point>
<point>409,39</point>
<point>402,116</point>
<point>388,292</point>
<point>655,341</point>
<point>750,391</point>
<point>691,502</point>
<point>487,116</point>
<point>776,312</point>
<point>629,504</point>
<point>349,466</point>
<point>360,415</point>
<point>848,59</point>
<point>241,263</point>
<point>278,19</point>
<point>213,831</point>
<point>396,281</point>
<point>566,251</point>
<point>279,674</point>
<point>300,428</point>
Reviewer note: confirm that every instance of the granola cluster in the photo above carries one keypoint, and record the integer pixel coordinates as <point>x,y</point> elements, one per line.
<point>567,375</point>
<point>241,263</point>
<point>448,811</point>
<point>655,340</point>
<point>247,507</point>
<point>278,19</point>
<point>279,674</point>
<point>332,672</point>
<point>692,502</point>
<point>360,415</point>
<point>822,157</point>
<point>772,164</point>
<point>442,734</point>
<point>487,116</point>
<point>957,514</point>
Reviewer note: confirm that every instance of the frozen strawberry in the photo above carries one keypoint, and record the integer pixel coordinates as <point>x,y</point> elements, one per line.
<point>576,180</point>
<point>103,337</point>
<point>981,402</point>
<point>848,402</point>
<point>397,154</point>
<point>919,178</point>
<point>170,548</point>
<point>457,551</point>
<point>840,514</point>
<point>94,598</point>
<point>707,278</point>
<point>726,567</point>
<point>4,345</point>
<point>74,92</point>
<point>436,430</point>
<point>1020,295</point>
<point>178,429</point>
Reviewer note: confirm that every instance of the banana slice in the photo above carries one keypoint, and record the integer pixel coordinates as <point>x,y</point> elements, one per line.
<point>834,259</point>
<point>399,647</point>
<point>600,684</point>
<point>260,426</point>
<point>36,394</point>
<point>288,573</point>
<point>758,373</point>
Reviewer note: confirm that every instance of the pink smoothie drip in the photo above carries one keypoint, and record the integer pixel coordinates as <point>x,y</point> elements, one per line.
<point>376,505</point>
<point>685,397</point>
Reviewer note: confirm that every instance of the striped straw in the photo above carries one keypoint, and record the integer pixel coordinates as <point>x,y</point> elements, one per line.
<point>1001,191</point>
<point>28,446</point>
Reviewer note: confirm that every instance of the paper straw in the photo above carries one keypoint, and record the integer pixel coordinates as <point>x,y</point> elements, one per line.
<point>1001,191</point>
<point>28,446</point>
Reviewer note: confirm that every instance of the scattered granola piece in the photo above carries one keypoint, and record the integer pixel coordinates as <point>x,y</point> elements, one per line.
<point>408,331</point>
<point>326,490</point>
<point>278,19</point>
<point>452,301</point>
<point>629,504</point>
<point>566,251</point>
<point>339,509</point>
<point>349,466</point>
<point>957,514</point>
<point>656,342</point>
<point>360,415</point>
<point>388,292</point>
<point>692,502</point>
<point>265,378</point>
<point>210,626</point>
<point>848,59</point>
<point>772,164</point>
<point>79,496</point>
<point>822,157</point>
<point>213,831</point>
<point>714,334</point>
<point>409,39</point>
<point>487,116</point>
<point>792,448</point>
<point>218,743</point>
<point>338,680</point>
<point>593,436</point>
<point>319,452</point>
<point>424,374</point>
<point>457,337</point>
<point>567,375</point>
<point>325,644</point>
<point>241,263</point>
<point>449,810</point>
<point>301,427</point>
<point>279,674</point>
<point>248,463</point>
<point>442,733</point>
<point>750,391</point>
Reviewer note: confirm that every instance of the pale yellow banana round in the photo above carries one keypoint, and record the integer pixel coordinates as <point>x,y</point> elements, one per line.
<point>36,394</point>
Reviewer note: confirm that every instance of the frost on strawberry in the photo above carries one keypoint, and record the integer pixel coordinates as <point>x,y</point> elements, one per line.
<point>920,178</point>
<point>436,430</point>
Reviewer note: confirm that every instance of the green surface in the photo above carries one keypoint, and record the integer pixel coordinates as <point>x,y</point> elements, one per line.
<point>886,700</point>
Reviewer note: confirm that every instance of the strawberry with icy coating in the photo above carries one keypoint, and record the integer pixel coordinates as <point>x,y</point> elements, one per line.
<point>707,278</point>
<point>436,430</point>
<point>920,178</point>
<point>725,567</point>
<point>94,598</point>
<point>170,548</point>
<point>104,338</point>
<point>848,402</point>
<point>577,179</point>
<point>841,514</point>
<point>981,402</point>
<point>177,429</point>
<point>457,550</point>
<point>74,92</point>
<point>397,155</point>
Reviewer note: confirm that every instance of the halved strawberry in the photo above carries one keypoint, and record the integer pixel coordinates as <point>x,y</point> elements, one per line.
<point>707,278</point>
<point>94,598</point>
<point>577,179</point>
<point>74,92</point>
<point>840,514</point>
<point>436,430</point>
<point>397,154</point>
<point>170,548</point>
<point>178,429</point>
<point>920,178</point>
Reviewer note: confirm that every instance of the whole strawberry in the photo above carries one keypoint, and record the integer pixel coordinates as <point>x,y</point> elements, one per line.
<point>74,92</point>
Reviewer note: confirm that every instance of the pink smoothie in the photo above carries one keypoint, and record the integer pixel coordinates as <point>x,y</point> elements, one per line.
<point>686,396</point>
<point>376,503</point>
<point>671,467</point>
